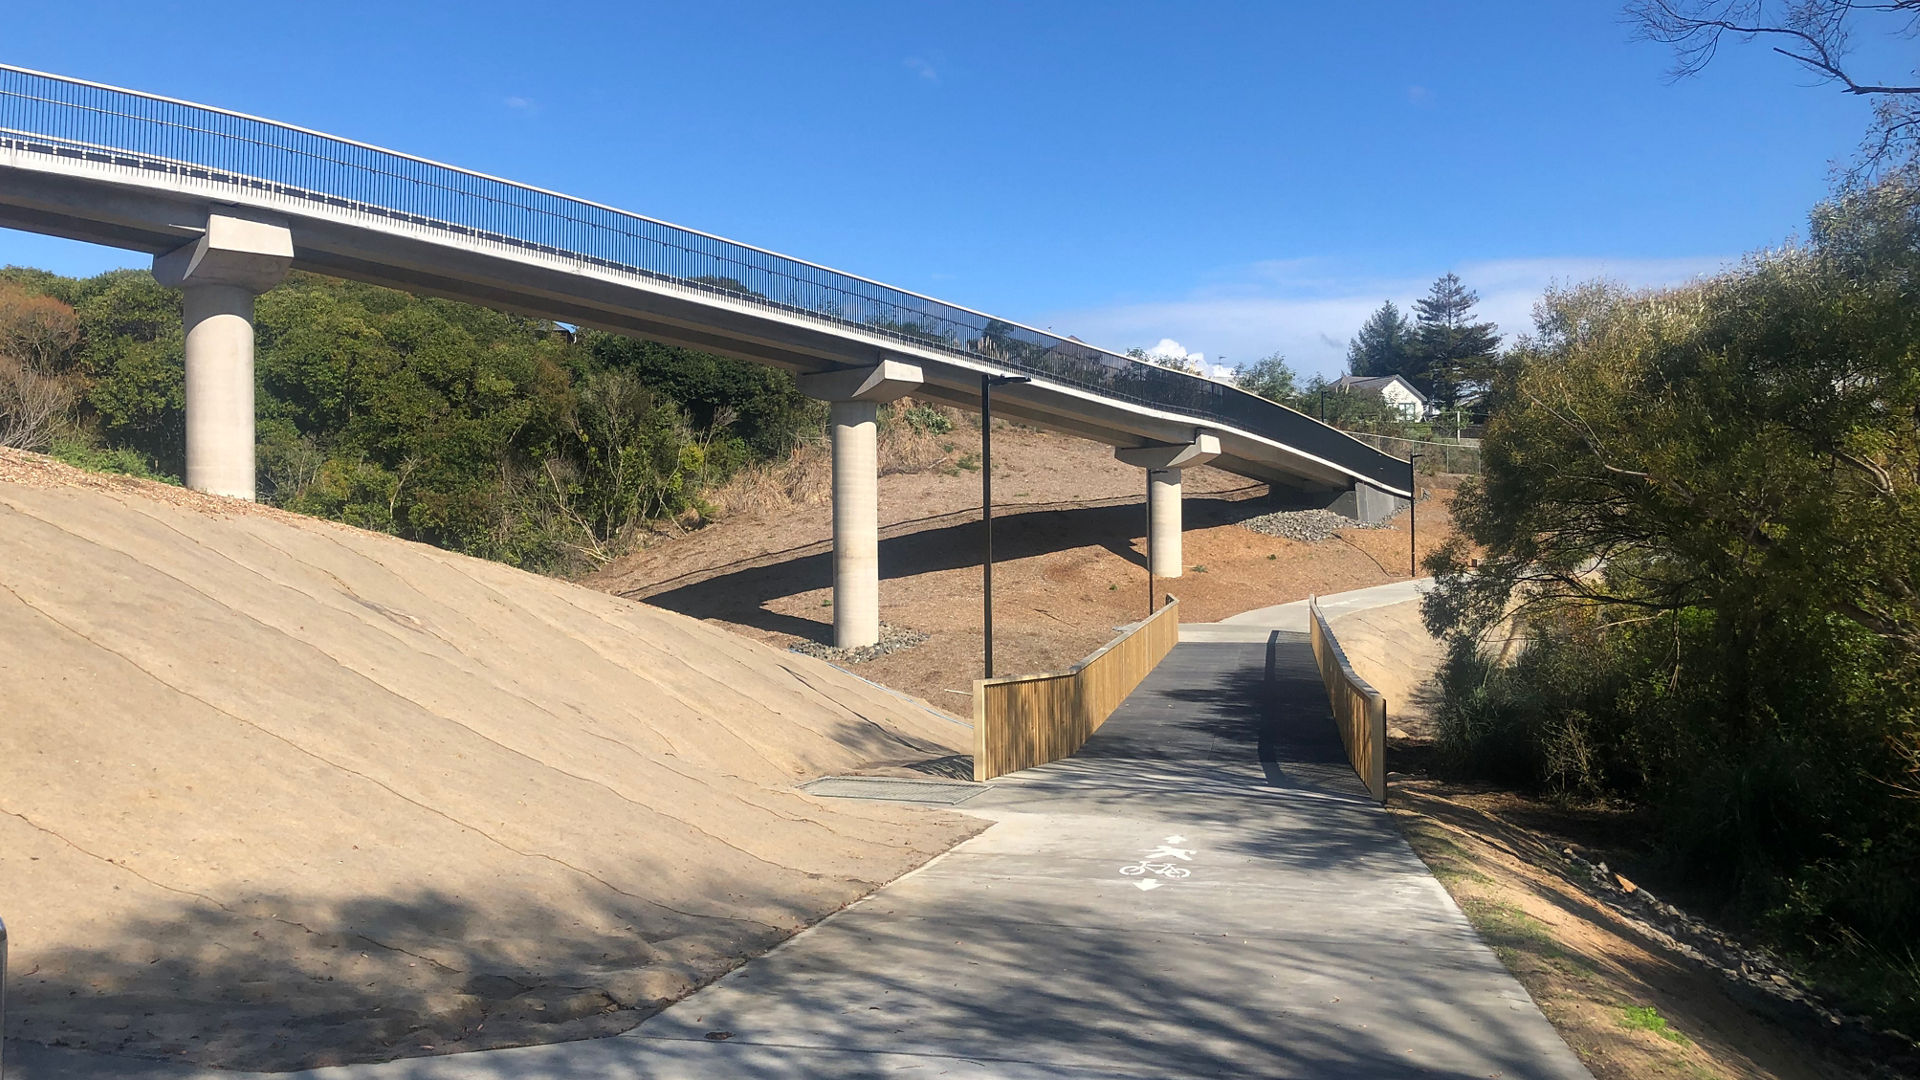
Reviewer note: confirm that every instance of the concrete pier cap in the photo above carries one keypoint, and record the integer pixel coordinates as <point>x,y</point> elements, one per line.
<point>854,397</point>
<point>241,254</point>
<point>1163,464</point>
<point>889,380</point>
<point>1202,449</point>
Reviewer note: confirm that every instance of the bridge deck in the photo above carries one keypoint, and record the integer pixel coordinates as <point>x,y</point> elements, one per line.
<point>114,166</point>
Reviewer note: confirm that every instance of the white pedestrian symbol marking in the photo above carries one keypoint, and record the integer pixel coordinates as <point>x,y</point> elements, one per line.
<point>1162,862</point>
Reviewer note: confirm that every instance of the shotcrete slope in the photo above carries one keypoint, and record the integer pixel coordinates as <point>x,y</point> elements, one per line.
<point>275,791</point>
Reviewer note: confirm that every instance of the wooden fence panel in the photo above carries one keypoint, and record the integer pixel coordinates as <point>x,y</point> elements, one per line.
<point>1028,720</point>
<point>1359,711</point>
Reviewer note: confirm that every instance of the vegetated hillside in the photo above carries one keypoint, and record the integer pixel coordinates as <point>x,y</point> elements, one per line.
<point>495,435</point>
<point>275,791</point>
<point>1069,530</point>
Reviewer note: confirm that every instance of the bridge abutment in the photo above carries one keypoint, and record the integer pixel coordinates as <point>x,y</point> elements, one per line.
<point>1164,464</point>
<point>240,255</point>
<point>854,397</point>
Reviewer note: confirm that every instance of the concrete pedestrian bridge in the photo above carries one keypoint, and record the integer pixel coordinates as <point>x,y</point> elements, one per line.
<point>228,203</point>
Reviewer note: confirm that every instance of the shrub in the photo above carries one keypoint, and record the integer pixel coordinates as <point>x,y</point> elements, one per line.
<point>1700,509</point>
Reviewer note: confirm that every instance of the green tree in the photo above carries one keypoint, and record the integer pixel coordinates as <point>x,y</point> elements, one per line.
<point>1385,344</point>
<point>487,433</point>
<point>1271,378</point>
<point>1703,508</point>
<point>1175,361</point>
<point>1453,355</point>
<point>768,413</point>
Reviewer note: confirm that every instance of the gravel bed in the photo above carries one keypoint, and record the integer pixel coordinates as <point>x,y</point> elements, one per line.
<point>1307,526</point>
<point>893,639</point>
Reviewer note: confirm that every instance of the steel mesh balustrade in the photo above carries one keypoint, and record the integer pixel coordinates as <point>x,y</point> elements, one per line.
<point>50,115</point>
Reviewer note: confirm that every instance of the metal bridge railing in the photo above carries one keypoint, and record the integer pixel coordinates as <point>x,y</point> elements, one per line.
<point>70,118</point>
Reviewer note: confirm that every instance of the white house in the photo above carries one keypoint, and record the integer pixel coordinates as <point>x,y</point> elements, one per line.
<point>1394,389</point>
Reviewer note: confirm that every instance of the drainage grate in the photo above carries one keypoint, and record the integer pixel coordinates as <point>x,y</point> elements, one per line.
<point>894,789</point>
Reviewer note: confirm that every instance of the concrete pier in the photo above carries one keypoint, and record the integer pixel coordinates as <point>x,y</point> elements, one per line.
<point>856,523</point>
<point>1163,522</point>
<point>1163,465</point>
<point>854,397</point>
<point>239,256</point>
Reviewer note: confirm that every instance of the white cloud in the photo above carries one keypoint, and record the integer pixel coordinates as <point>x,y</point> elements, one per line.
<point>1419,95</point>
<point>520,104</point>
<point>920,67</point>
<point>1168,349</point>
<point>1302,309</point>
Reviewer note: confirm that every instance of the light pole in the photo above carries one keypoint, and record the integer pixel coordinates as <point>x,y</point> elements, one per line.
<point>1149,544</point>
<point>987,383</point>
<point>1413,515</point>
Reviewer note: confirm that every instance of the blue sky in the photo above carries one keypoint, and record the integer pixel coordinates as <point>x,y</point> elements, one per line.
<point>1239,178</point>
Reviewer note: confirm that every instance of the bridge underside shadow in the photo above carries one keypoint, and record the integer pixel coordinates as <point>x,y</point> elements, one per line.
<point>741,593</point>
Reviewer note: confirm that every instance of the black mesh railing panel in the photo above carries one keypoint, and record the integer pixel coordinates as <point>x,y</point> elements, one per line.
<point>63,118</point>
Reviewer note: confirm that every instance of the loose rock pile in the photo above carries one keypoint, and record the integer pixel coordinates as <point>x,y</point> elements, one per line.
<point>1306,526</point>
<point>893,639</point>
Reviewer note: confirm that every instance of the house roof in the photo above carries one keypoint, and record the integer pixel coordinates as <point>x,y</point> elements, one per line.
<point>1377,383</point>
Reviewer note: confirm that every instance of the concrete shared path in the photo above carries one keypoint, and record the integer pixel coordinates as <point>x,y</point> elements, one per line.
<point>1204,891</point>
<point>1253,626</point>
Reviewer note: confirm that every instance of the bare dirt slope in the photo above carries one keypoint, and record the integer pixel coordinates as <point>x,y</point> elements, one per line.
<point>1069,531</point>
<point>275,791</point>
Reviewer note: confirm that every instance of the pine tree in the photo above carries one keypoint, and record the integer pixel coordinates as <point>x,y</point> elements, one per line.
<point>1384,345</point>
<point>1453,354</point>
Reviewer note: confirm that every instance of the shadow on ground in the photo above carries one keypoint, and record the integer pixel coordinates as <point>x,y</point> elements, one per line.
<point>738,593</point>
<point>428,973</point>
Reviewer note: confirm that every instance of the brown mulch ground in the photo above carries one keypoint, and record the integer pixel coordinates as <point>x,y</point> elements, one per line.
<point>1069,526</point>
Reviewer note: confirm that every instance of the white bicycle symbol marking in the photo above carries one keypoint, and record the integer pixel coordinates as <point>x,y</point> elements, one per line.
<point>1164,869</point>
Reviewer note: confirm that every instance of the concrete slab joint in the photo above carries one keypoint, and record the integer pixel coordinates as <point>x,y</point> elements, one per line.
<point>854,397</point>
<point>1163,464</point>
<point>240,255</point>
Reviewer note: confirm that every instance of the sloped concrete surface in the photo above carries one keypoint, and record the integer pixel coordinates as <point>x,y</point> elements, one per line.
<point>1304,939</point>
<point>276,792</point>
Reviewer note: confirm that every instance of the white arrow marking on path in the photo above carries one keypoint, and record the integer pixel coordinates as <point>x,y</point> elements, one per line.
<point>1147,885</point>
